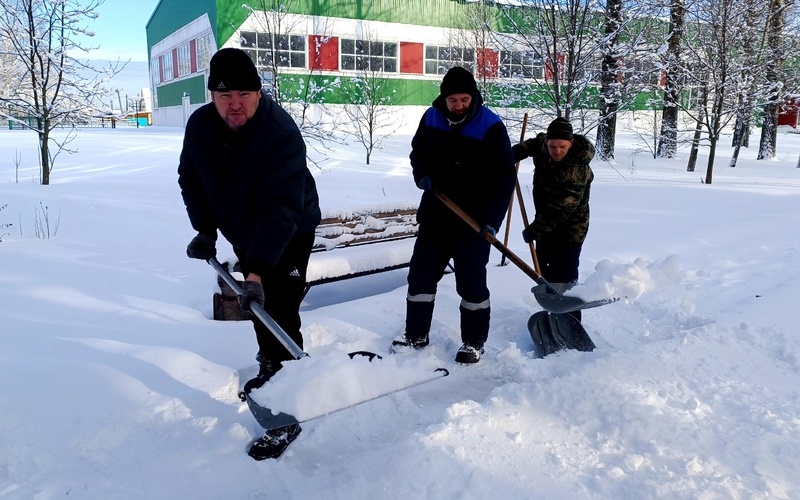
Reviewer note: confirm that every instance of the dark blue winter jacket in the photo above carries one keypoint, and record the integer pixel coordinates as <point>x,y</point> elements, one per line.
<point>470,162</point>
<point>253,185</point>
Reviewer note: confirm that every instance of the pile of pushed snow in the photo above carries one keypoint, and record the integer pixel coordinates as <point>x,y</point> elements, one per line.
<point>314,386</point>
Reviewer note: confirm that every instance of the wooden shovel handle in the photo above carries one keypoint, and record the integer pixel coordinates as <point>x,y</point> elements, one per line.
<point>491,239</point>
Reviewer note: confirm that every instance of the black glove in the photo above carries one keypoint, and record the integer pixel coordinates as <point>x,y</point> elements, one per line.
<point>425,184</point>
<point>252,293</point>
<point>203,246</point>
<point>487,229</point>
<point>520,151</point>
<point>529,234</point>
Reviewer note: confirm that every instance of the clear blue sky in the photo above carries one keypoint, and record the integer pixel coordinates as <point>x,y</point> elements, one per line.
<point>120,35</point>
<point>120,30</point>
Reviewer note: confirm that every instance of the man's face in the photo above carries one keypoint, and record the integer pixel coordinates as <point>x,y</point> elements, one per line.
<point>458,104</point>
<point>558,148</point>
<point>236,106</point>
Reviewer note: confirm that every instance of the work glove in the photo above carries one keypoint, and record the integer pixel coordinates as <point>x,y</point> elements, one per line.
<point>487,229</point>
<point>520,151</point>
<point>529,234</point>
<point>252,293</point>
<point>425,184</point>
<point>203,246</point>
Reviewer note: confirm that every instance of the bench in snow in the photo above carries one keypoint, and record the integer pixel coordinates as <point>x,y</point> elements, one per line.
<point>345,247</point>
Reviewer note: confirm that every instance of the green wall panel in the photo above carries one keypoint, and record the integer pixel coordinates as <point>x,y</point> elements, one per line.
<point>171,94</point>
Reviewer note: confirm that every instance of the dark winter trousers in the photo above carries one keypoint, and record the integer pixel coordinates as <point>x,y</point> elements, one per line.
<point>559,262</point>
<point>284,286</point>
<point>432,252</point>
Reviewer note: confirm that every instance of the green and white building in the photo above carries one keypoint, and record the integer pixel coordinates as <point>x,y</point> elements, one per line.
<point>410,40</point>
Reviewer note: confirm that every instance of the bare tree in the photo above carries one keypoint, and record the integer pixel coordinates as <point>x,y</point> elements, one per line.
<point>752,51</point>
<point>279,51</point>
<point>713,69</point>
<point>609,81</point>
<point>11,68</point>
<point>774,81</point>
<point>668,140</point>
<point>53,87</point>
<point>370,92</point>
<point>562,36</point>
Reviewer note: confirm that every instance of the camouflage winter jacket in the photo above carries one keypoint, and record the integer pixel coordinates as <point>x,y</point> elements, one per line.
<point>560,189</point>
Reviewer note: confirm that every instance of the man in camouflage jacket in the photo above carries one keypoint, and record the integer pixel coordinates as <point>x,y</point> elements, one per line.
<point>561,182</point>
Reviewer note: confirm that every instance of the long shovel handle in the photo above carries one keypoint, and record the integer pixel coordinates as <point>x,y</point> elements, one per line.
<point>519,193</point>
<point>496,243</point>
<point>259,312</point>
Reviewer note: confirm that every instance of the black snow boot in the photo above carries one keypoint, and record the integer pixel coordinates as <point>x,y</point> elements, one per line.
<point>266,369</point>
<point>274,442</point>
<point>469,354</point>
<point>401,342</point>
<point>418,324</point>
<point>474,332</point>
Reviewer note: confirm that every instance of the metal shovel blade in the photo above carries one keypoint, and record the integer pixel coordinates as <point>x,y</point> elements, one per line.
<point>269,420</point>
<point>557,303</point>
<point>555,332</point>
<point>265,417</point>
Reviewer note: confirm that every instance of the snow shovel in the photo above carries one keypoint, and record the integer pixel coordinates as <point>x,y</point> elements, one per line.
<point>552,332</point>
<point>273,420</point>
<point>547,295</point>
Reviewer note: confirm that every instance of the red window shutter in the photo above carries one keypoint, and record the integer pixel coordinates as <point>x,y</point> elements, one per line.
<point>411,59</point>
<point>487,63</point>
<point>193,55</point>
<point>175,63</point>
<point>323,52</point>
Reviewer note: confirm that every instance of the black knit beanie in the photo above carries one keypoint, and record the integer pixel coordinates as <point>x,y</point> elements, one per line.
<point>559,128</point>
<point>458,81</point>
<point>232,69</point>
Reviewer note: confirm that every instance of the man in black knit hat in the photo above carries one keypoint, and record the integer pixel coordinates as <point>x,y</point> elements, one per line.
<point>562,179</point>
<point>243,172</point>
<point>462,149</point>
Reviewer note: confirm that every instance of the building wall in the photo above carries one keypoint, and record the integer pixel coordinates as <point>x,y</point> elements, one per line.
<point>176,27</point>
<point>181,27</point>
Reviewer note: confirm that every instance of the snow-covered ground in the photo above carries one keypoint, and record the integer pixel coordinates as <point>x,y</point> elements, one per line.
<point>117,385</point>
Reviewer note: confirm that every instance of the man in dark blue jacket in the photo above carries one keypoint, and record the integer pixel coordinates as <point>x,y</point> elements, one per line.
<point>243,172</point>
<point>462,149</point>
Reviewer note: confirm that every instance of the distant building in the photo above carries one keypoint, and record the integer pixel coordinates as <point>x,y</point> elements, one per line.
<point>409,39</point>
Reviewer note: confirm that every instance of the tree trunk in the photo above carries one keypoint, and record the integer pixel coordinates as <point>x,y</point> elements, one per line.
<point>711,152</point>
<point>698,130</point>
<point>775,59</point>
<point>609,87</point>
<point>769,133</point>
<point>44,150</point>
<point>668,141</point>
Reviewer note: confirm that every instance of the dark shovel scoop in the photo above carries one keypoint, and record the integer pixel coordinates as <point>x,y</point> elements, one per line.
<point>555,332</point>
